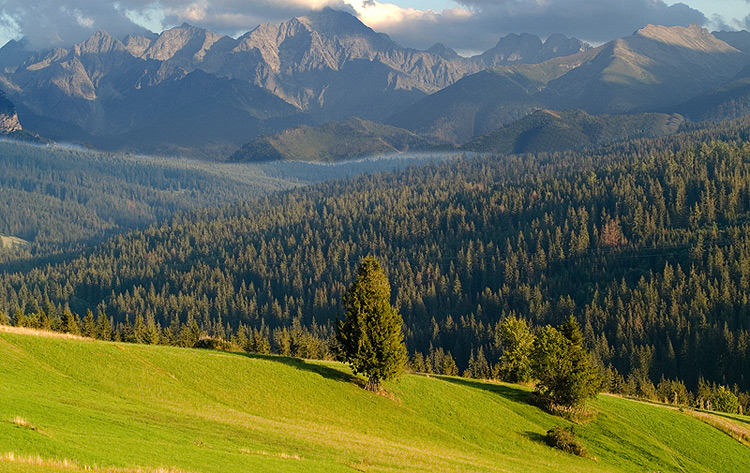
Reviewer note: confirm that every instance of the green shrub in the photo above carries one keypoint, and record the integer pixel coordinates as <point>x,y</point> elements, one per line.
<point>213,344</point>
<point>564,439</point>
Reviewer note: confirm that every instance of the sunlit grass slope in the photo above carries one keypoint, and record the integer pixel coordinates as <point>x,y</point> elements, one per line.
<point>126,408</point>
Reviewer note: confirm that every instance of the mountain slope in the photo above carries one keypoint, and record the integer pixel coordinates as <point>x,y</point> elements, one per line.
<point>654,69</point>
<point>726,101</point>
<point>131,406</point>
<point>473,106</point>
<point>334,141</point>
<point>657,69</point>
<point>10,127</point>
<point>549,131</point>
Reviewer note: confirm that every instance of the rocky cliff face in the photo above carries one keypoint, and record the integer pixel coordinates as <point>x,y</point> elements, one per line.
<point>9,124</point>
<point>8,117</point>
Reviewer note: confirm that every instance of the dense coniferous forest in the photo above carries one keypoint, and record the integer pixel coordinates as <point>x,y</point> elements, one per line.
<point>646,243</point>
<point>57,200</point>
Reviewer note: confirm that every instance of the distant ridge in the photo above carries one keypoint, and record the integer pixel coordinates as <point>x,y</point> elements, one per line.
<point>548,131</point>
<point>331,142</point>
<point>657,69</point>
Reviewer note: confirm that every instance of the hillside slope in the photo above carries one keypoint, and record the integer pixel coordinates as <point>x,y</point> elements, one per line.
<point>550,131</point>
<point>135,406</point>
<point>331,142</point>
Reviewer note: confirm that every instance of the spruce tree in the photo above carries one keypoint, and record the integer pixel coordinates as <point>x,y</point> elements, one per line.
<point>88,328</point>
<point>139,329</point>
<point>103,327</point>
<point>370,336</point>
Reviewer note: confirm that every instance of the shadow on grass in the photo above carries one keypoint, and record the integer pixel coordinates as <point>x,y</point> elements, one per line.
<point>536,437</point>
<point>512,394</point>
<point>325,371</point>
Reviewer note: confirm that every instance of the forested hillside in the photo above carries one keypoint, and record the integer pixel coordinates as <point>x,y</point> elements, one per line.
<point>647,243</point>
<point>550,131</point>
<point>60,200</point>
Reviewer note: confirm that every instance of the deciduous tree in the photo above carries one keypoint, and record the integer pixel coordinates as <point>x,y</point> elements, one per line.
<point>518,344</point>
<point>561,365</point>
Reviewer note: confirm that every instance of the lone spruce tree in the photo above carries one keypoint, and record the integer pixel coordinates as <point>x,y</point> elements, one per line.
<point>370,335</point>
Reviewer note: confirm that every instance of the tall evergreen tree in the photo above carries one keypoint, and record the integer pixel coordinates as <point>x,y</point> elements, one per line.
<point>370,336</point>
<point>103,327</point>
<point>88,328</point>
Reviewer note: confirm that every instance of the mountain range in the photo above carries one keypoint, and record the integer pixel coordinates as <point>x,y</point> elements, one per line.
<point>188,91</point>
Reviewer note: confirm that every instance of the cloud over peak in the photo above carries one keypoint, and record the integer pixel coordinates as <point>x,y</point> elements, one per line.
<point>471,25</point>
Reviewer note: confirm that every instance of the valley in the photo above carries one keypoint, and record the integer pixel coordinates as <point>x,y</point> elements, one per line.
<point>272,236</point>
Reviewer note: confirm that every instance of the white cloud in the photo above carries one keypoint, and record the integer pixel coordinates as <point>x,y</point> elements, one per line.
<point>480,23</point>
<point>471,25</point>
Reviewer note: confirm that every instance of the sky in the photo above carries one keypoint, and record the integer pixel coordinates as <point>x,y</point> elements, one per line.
<point>468,26</point>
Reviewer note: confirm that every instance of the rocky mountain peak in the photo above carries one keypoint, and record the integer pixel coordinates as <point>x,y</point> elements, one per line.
<point>692,37</point>
<point>558,45</point>
<point>529,49</point>
<point>329,23</point>
<point>443,51</point>
<point>99,43</point>
<point>515,48</point>
<point>186,40</point>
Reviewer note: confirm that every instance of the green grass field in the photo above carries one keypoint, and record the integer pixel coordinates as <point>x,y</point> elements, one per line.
<point>74,404</point>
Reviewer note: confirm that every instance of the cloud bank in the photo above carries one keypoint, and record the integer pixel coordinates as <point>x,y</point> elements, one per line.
<point>472,25</point>
<point>475,24</point>
<point>48,23</point>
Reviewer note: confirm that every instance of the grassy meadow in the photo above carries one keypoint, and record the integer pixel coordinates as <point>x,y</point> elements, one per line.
<point>72,404</point>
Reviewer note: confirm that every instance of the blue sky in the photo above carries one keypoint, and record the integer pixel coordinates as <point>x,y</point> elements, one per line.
<point>466,25</point>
